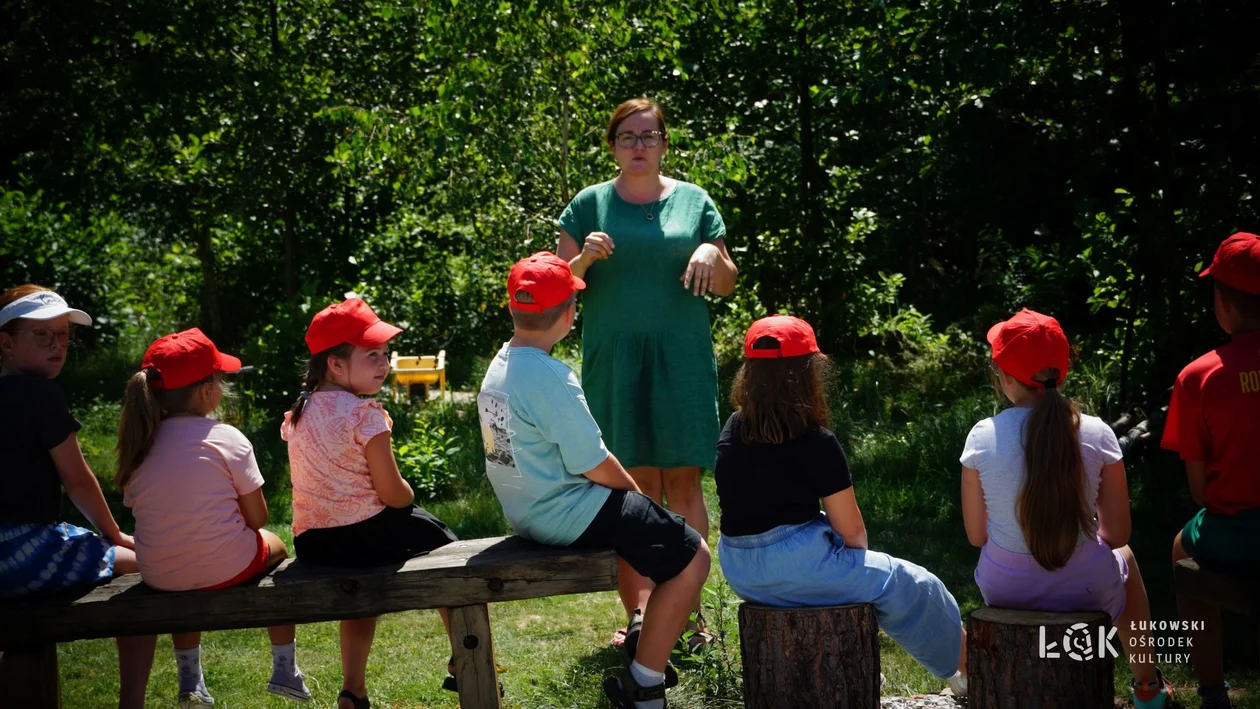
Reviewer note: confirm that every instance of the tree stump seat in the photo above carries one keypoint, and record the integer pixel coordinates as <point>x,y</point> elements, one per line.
<point>810,657</point>
<point>1040,660</point>
<point>463,576</point>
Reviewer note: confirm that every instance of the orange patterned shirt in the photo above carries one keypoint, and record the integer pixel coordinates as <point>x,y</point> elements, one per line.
<point>327,465</point>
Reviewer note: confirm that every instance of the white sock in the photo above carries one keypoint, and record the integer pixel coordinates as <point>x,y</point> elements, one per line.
<point>190,678</point>
<point>647,678</point>
<point>284,660</point>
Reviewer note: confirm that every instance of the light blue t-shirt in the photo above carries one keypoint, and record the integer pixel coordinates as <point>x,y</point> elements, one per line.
<point>539,440</point>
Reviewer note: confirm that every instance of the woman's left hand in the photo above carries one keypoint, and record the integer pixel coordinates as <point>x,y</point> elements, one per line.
<point>699,274</point>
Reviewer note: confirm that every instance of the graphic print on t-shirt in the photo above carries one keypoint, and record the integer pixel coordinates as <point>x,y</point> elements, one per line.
<point>492,409</point>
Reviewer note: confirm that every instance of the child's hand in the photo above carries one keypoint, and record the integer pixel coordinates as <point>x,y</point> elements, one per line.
<point>126,541</point>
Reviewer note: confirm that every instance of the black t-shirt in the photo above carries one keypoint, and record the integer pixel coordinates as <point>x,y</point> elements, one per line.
<point>761,486</point>
<point>34,418</point>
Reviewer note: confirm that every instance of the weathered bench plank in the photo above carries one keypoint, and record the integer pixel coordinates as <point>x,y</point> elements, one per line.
<point>464,573</point>
<point>1235,594</point>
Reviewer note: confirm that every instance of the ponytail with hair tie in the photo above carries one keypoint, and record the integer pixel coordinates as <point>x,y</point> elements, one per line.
<point>141,415</point>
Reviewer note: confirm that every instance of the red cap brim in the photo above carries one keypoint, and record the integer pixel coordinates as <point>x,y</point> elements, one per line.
<point>993,332</point>
<point>229,364</point>
<point>377,335</point>
<point>578,283</point>
<point>1206,272</point>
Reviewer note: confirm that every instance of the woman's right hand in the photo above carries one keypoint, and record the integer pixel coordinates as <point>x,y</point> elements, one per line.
<point>596,247</point>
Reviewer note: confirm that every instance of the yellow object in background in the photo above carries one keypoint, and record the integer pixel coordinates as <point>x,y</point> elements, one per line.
<point>424,370</point>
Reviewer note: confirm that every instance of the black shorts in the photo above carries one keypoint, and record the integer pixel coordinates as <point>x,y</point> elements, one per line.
<point>392,535</point>
<point>654,541</point>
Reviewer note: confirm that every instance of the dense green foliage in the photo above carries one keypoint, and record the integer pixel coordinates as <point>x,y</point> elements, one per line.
<point>886,169</point>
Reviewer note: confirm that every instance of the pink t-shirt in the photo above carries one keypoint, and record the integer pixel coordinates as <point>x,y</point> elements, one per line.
<point>189,529</point>
<point>327,463</point>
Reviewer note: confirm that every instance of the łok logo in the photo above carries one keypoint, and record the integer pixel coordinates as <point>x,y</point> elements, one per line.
<point>1078,643</point>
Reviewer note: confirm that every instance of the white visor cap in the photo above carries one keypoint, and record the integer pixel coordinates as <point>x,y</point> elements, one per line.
<point>44,305</point>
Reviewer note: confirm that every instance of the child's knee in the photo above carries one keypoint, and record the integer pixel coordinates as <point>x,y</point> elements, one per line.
<point>276,550</point>
<point>1178,551</point>
<point>701,562</point>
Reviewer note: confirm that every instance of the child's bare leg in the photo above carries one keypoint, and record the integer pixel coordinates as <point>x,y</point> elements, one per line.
<point>135,661</point>
<point>356,644</point>
<point>135,654</point>
<point>186,641</point>
<point>1206,653</point>
<point>962,654</point>
<point>668,610</point>
<point>1136,610</point>
<point>282,634</point>
<point>276,553</point>
<point>635,590</point>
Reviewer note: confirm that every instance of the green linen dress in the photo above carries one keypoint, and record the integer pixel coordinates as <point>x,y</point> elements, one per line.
<point>648,367</point>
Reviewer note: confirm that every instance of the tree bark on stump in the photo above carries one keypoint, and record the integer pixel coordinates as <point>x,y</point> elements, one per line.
<point>1040,660</point>
<point>810,657</point>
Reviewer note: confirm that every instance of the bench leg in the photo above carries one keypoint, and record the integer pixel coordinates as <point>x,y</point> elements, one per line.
<point>474,657</point>
<point>29,679</point>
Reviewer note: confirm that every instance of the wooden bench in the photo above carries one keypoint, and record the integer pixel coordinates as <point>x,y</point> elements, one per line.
<point>463,576</point>
<point>1234,593</point>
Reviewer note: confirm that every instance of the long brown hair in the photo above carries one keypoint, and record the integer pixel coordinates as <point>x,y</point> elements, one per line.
<point>779,399</point>
<point>629,108</point>
<point>1051,506</point>
<point>315,371</point>
<point>143,410</point>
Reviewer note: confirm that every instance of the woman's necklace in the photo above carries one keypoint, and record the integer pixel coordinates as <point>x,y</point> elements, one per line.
<point>647,209</point>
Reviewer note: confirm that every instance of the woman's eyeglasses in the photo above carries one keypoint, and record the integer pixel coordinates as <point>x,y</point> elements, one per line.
<point>45,337</point>
<point>650,139</point>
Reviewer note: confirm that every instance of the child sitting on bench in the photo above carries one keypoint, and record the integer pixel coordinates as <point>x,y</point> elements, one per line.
<point>1214,424</point>
<point>559,485</point>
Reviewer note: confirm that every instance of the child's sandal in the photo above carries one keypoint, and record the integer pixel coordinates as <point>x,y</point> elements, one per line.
<point>359,702</point>
<point>624,692</point>
<point>632,645</point>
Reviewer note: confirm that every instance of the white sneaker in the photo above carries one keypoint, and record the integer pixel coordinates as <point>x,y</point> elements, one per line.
<point>290,687</point>
<point>958,684</point>
<point>195,699</point>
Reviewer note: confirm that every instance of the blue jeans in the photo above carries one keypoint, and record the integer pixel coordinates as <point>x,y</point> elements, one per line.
<point>808,564</point>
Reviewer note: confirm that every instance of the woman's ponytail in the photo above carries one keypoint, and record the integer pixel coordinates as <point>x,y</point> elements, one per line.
<point>141,415</point>
<point>1051,506</point>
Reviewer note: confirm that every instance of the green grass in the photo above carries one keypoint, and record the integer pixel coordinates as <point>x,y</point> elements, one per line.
<point>555,651</point>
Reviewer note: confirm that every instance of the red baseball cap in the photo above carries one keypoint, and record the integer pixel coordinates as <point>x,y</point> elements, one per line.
<point>348,321</point>
<point>184,358</point>
<point>1237,263</point>
<point>1027,344</point>
<point>546,277</point>
<point>795,338</point>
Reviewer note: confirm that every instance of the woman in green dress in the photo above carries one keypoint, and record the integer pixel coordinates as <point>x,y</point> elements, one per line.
<point>649,248</point>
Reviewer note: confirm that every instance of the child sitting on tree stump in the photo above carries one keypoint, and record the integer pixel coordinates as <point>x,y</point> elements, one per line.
<point>1214,423</point>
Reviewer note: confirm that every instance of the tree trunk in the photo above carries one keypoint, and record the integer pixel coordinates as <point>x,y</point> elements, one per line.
<point>1035,660</point>
<point>210,320</point>
<point>810,657</point>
